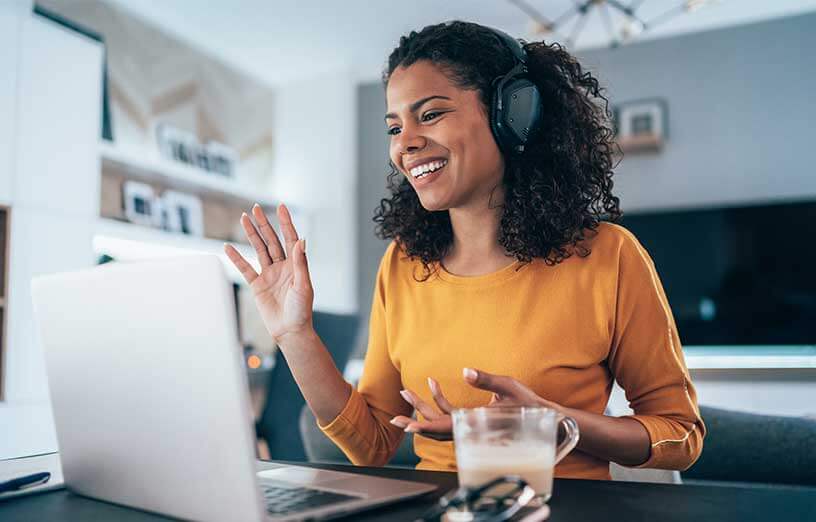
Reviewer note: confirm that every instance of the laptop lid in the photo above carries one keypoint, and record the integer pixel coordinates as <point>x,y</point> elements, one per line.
<point>132,352</point>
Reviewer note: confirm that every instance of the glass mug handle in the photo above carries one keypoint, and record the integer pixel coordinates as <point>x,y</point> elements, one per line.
<point>570,440</point>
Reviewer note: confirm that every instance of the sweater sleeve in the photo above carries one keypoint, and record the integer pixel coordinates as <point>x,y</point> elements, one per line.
<point>647,360</point>
<point>362,429</point>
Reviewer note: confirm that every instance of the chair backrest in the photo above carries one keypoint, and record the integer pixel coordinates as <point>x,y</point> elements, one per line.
<point>319,448</point>
<point>661,476</point>
<point>746,447</point>
<point>278,424</point>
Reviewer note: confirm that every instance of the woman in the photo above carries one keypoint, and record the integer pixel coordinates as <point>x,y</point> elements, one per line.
<point>502,284</point>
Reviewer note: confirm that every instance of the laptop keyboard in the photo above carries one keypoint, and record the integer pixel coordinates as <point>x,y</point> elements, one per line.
<point>287,500</point>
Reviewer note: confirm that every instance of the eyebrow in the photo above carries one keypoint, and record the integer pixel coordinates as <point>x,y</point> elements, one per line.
<point>417,104</point>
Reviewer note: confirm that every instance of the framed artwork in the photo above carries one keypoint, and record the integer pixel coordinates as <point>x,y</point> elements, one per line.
<point>140,204</point>
<point>641,125</point>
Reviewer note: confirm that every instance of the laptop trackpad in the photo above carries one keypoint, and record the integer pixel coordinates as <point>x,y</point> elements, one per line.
<point>297,475</point>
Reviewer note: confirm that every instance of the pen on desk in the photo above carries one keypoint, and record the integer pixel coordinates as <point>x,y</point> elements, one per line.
<point>21,483</point>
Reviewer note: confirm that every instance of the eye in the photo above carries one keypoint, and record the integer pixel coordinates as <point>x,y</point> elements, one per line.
<point>393,131</point>
<point>431,115</point>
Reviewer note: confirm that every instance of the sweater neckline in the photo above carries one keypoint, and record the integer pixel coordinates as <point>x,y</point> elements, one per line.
<point>500,275</point>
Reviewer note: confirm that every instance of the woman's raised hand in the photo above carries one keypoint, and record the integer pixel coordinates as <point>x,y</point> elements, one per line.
<point>283,290</point>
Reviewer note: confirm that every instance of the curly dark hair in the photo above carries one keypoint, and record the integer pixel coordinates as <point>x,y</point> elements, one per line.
<point>556,191</point>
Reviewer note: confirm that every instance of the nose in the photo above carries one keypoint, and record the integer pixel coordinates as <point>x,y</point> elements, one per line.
<point>410,140</point>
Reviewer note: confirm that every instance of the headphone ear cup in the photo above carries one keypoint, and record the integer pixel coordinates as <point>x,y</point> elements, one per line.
<point>515,113</point>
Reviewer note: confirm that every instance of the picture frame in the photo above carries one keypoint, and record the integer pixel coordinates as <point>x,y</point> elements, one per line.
<point>139,200</point>
<point>641,125</point>
<point>184,213</point>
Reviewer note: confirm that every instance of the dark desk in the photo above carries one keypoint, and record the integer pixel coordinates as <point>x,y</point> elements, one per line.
<point>573,500</point>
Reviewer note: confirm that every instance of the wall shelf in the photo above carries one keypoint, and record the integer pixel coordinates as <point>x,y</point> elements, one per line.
<point>146,166</point>
<point>128,242</point>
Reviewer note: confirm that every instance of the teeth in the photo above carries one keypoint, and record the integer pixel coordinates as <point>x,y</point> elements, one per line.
<point>422,170</point>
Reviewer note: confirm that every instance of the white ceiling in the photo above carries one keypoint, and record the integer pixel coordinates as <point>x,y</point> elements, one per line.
<point>284,41</point>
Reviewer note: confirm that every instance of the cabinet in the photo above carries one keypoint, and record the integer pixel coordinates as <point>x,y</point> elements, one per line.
<point>54,197</point>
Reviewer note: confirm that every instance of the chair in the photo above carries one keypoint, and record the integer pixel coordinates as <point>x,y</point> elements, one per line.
<point>319,448</point>
<point>279,421</point>
<point>746,447</point>
<point>654,476</point>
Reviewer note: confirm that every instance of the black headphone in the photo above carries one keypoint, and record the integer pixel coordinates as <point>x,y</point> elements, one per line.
<point>515,110</point>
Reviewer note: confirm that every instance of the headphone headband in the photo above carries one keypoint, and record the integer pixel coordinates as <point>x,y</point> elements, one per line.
<point>514,45</point>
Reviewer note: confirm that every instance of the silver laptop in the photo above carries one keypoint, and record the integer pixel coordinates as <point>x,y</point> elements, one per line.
<point>151,403</point>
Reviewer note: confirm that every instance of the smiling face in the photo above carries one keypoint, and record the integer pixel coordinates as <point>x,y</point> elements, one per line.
<point>441,139</point>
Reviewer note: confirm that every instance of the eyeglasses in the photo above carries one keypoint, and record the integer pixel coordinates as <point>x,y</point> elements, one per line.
<point>494,501</point>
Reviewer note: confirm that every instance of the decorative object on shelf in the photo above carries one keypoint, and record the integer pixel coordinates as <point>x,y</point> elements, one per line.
<point>183,146</point>
<point>623,21</point>
<point>641,125</point>
<point>184,213</point>
<point>176,144</point>
<point>140,204</point>
<point>221,158</point>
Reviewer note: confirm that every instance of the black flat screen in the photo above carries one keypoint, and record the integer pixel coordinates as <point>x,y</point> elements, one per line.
<point>738,275</point>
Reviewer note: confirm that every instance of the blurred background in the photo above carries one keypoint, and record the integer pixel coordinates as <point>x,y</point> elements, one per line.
<point>135,129</point>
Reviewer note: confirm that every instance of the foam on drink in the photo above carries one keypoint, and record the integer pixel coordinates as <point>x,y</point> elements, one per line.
<point>533,461</point>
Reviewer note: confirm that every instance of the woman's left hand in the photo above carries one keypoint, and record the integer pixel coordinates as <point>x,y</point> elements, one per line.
<point>438,424</point>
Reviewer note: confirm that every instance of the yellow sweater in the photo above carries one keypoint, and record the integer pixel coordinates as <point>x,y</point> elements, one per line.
<point>566,331</point>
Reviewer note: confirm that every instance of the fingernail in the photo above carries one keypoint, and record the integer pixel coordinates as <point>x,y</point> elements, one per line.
<point>411,429</point>
<point>397,423</point>
<point>303,241</point>
<point>406,396</point>
<point>244,215</point>
<point>432,384</point>
<point>469,374</point>
<point>256,206</point>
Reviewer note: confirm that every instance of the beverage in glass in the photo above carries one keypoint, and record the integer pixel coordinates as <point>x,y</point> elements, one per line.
<point>496,441</point>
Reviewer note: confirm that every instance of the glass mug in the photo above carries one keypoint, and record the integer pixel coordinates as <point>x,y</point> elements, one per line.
<point>495,441</point>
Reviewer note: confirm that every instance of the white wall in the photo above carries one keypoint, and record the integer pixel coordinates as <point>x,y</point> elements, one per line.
<point>54,169</point>
<point>315,169</point>
<point>740,114</point>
